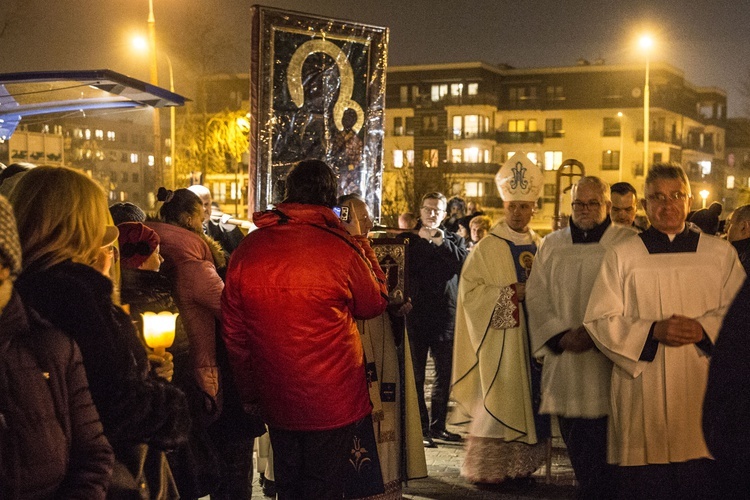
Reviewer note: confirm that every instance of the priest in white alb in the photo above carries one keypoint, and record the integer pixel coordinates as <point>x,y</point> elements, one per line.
<point>575,374</point>
<point>655,310</point>
<point>493,378</point>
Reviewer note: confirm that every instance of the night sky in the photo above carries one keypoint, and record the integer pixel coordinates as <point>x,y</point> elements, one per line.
<point>708,40</point>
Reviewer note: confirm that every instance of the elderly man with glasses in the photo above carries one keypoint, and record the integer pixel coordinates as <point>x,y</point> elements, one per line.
<point>435,259</point>
<point>575,375</point>
<point>656,310</point>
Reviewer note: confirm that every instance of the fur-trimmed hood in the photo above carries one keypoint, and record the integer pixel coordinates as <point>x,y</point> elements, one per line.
<point>217,253</point>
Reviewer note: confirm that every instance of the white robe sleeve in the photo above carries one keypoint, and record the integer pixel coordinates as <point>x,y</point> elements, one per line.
<point>617,333</point>
<point>544,323</point>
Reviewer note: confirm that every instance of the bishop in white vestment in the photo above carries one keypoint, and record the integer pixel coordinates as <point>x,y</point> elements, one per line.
<point>492,370</point>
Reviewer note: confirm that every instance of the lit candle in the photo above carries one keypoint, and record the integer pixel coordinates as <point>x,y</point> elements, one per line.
<point>158,330</point>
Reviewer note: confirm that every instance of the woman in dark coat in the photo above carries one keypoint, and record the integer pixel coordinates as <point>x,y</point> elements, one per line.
<point>62,218</point>
<point>51,440</point>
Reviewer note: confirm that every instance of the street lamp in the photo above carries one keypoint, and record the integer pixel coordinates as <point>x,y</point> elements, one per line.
<point>142,45</point>
<point>154,77</point>
<point>704,194</point>
<point>646,43</point>
<point>622,142</point>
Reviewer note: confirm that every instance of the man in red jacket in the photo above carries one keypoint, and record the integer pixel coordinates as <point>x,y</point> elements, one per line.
<point>294,288</point>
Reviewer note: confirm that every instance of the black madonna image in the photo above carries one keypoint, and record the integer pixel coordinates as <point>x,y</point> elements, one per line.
<point>322,98</point>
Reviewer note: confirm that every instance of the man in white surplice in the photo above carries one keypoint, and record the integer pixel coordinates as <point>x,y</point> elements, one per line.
<point>656,309</point>
<point>575,375</point>
<point>492,372</point>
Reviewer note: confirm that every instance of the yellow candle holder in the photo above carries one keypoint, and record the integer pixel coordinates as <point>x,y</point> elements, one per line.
<point>158,330</point>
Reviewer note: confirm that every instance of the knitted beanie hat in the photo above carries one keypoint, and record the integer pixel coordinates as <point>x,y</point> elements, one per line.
<point>137,243</point>
<point>10,246</point>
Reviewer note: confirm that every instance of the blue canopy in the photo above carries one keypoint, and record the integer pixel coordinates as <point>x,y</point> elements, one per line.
<point>46,92</point>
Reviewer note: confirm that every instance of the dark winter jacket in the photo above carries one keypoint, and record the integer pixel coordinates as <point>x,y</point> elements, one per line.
<point>51,440</point>
<point>433,285</point>
<point>228,236</point>
<point>294,289</point>
<point>145,291</point>
<point>743,251</point>
<point>134,407</point>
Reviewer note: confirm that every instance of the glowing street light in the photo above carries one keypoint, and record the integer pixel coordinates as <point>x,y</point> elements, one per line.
<point>704,194</point>
<point>646,43</point>
<point>142,45</point>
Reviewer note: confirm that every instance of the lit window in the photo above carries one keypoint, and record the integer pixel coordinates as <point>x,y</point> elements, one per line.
<point>474,189</point>
<point>437,92</point>
<point>471,126</point>
<point>151,160</point>
<point>99,134</point>
<point>471,155</point>
<point>409,157</point>
<point>168,161</point>
<point>457,126</point>
<point>457,89</point>
<point>45,129</point>
<point>730,182</point>
<point>610,160</point>
<point>78,133</point>
<point>404,94</point>
<point>456,155</point>
<point>705,167</point>
<point>398,158</point>
<point>486,155</point>
<point>133,157</point>
<point>430,158</point>
<point>110,135</point>
<point>533,127</point>
<point>555,93</point>
<point>87,134</point>
<point>553,127</point>
<point>398,125</point>
<point>552,160</point>
<point>472,89</point>
<point>532,157</point>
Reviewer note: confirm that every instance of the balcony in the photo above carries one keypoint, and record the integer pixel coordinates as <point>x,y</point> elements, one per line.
<point>520,137</point>
<point>454,135</point>
<point>481,99</point>
<point>471,168</point>
<point>431,132</point>
<point>659,136</point>
<point>694,144</point>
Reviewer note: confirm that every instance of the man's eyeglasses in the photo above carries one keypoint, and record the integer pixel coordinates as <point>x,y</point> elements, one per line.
<point>663,198</point>
<point>591,205</point>
<point>430,210</point>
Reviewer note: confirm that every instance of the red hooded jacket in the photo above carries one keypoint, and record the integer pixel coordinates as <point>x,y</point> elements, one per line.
<point>293,290</point>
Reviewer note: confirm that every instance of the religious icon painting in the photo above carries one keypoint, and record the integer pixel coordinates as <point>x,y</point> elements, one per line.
<point>317,91</point>
<point>393,259</point>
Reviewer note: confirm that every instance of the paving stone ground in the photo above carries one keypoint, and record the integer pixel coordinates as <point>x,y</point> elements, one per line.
<point>444,481</point>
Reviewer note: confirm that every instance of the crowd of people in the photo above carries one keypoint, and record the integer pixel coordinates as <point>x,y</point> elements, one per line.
<point>617,333</point>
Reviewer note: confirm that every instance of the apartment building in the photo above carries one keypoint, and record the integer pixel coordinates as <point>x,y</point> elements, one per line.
<point>463,120</point>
